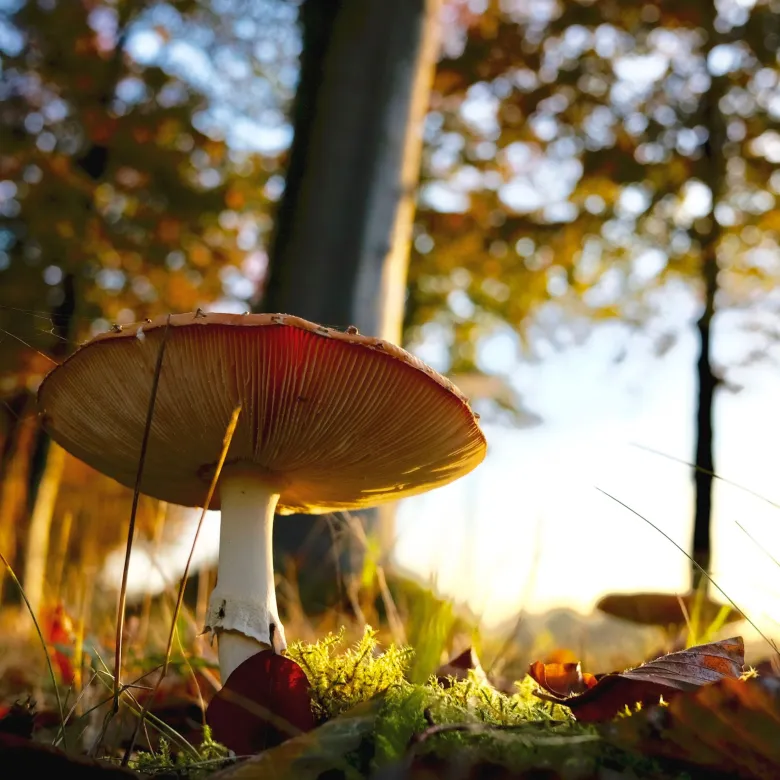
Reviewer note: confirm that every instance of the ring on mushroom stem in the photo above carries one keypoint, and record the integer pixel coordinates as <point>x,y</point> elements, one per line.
<point>378,425</point>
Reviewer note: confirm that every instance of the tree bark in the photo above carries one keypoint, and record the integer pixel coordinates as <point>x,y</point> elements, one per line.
<point>45,474</point>
<point>713,173</point>
<point>14,487</point>
<point>340,249</point>
<point>34,578</point>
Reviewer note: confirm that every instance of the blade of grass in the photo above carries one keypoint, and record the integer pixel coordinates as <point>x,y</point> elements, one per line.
<point>726,481</point>
<point>231,429</point>
<point>18,584</point>
<point>707,471</point>
<point>757,543</point>
<point>120,619</point>
<point>162,727</point>
<point>702,570</point>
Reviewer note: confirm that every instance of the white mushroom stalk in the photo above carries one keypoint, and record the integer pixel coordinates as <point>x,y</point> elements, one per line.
<point>242,607</point>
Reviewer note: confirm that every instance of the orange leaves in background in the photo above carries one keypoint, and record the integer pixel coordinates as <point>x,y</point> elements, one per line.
<point>594,699</point>
<point>57,629</point>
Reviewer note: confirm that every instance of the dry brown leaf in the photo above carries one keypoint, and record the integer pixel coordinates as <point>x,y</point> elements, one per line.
<point>664,677</point>
<point>460,667</point>
<point>731,726</point>
<point>562,680</point>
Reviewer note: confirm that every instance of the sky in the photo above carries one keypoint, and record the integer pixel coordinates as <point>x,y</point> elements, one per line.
<point>530,527</point>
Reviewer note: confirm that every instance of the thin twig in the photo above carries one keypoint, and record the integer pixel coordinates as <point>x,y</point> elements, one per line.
<point>770,642</point>
<point>43,642</point>
<point>231,429</point>
<point>120,620</point>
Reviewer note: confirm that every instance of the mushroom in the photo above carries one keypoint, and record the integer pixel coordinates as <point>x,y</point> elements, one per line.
<point>329,421</point>
<point>664,610</point>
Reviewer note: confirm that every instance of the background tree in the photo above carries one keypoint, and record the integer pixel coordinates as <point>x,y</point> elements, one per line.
<point>342,232</point>
<point>583,159</point>
<point>117,198</point>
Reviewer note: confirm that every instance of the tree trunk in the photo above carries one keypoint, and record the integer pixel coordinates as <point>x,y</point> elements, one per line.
<point>40,527</point>
<point>15,484</point>
<point>713,172</point>
<point>340,249</point>
<point>45,470</point>
<point>705,459</point>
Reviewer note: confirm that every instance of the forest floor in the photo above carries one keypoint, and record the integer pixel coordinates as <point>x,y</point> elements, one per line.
<point>347,706</point>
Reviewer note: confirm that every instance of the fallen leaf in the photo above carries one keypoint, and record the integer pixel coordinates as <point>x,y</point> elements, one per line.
<point>460,667</point>
<point>433,767</point>
<point>664,677</point>
<point>319,753</point>
<point>730,726</point>
<point>21,757</point>
<point>263,703</point>
<point>562,680</point>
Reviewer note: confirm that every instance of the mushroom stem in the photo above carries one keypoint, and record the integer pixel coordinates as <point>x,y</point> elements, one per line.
<point>242,607</point>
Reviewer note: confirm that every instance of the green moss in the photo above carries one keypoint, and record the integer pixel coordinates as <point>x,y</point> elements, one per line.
<point>462,722</point>
<point>211,756</point>
<point>341,680</point>
<point>466,719</point>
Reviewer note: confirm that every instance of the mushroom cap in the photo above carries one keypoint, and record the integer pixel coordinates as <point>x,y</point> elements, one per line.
<point>661,609</point>
<point>330,420</point>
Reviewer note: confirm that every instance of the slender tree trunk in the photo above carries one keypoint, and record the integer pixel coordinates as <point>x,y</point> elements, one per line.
<point>19,408</point>
<point>40,527</point>
<point>15,487</point>
<point>344,225</point>
<point>713,172</point>
<point>705,459</point>
<point>60,555</point>
<point>42,470</point>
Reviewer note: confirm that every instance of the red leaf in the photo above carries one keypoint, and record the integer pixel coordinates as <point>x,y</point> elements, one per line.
<point>263,703</point>
<point>666,676</point>
<point>57,628</point>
